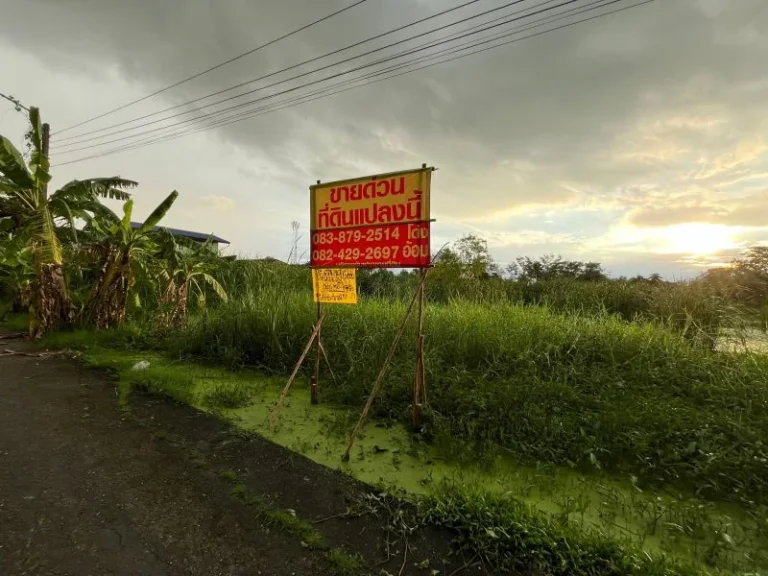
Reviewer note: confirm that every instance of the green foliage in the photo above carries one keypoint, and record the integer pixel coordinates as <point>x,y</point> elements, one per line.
<point>746,280</point>
<point>228,395</point>
<point>13,322</point>
<point>691,517</point>
<point>229,475</point>
<point>189,267</point>
<point>240,492</point>
<point>578,390</point>
<point>691,308</point>
<point>79,200</point>
<point>342,563</point>
<point>288,522</point>
<point>43,223</point>
<point>129,337</point>
<point>283,520</point>
<point>696,309</point>
<point>513,539</point>
<point>17,272</point>
<point>552,267</point>
<point>123,254</point>
<point>158,213</point>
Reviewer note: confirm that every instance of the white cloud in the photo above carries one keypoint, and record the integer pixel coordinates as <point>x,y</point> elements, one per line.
<point>218,203</point>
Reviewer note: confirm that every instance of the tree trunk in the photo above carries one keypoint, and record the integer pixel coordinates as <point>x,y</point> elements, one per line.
<point>49,301</point>
<point>109,296</point>
<point>173,304</point>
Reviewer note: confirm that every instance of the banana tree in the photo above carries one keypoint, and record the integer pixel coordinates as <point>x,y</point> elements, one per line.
<point>188,275</point>
<point>17,272</point>
<point>121,250</point>
<point>34,216</point>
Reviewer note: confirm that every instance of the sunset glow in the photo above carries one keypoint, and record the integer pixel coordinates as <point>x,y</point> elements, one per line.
<point>695,238</point>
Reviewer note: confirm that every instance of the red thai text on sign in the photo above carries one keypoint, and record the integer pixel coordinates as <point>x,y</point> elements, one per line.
<point>377,221</point>
<point>399,245</point>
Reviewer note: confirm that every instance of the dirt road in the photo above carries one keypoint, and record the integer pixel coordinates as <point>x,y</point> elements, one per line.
<point>90,488</point>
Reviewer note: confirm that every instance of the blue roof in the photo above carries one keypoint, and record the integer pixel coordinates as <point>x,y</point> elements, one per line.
<point>199,236</point>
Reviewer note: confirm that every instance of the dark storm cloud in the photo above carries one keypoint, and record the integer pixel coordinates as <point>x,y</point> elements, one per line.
<point>623,111</point>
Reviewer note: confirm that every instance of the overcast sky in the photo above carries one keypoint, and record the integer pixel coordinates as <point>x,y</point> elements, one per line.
<point>637,139</point>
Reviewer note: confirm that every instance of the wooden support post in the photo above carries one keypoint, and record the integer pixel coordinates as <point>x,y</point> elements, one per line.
<point>307,348</point>
<point>422,336</point>
<point>418,385</point>
<point>315,381</point>
<point>382,372</point>
<point>313,390</point>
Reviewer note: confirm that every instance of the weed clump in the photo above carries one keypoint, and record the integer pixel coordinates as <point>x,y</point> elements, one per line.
<point>511,538</point>
<point>342,563</point>
<point>228,395</point>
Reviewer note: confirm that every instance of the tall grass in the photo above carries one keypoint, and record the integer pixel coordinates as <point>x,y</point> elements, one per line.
<point>694,309</point>
<point>585,390</point>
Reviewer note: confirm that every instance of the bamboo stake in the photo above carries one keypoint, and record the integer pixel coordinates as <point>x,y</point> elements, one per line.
<point>422,312</point>
<point>316,381</point>
<point>419,377</point>
<point>382,372</point>
<point>307,348</point>
<point>328,363</point>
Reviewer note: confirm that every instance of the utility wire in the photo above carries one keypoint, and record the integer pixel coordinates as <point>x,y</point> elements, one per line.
<point>292,67</point>
<point>322,92</point>
<point>217,66</point>
<point>18,105</point>
<point>339,74</point>
<point>281,105</point>
<point>135,145</point>
<point>208,115</point>
<point>205,117</point>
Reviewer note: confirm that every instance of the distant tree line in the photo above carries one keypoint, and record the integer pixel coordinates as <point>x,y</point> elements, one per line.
<point>467,263</point>
<point>465,269</point>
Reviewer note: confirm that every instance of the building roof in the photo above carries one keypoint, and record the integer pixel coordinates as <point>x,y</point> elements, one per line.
<point>199,236</point>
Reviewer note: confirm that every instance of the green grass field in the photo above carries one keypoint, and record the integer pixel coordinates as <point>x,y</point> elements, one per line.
<point>575,390</point>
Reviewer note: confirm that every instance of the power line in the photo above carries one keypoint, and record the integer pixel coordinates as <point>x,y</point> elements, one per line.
<point>462,47</point>
<point>156,140</point>
<point>314,71</point>
<point>205,117</point>
<point>18,105</point>
<point>282,105</point>
<point>378,73</point>
<point>217,66</point>
<point>208,115</point>
<point>292,67</point>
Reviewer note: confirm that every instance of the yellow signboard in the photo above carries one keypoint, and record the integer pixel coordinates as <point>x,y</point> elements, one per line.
<point>334,285</point>
<point>395,198</point>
